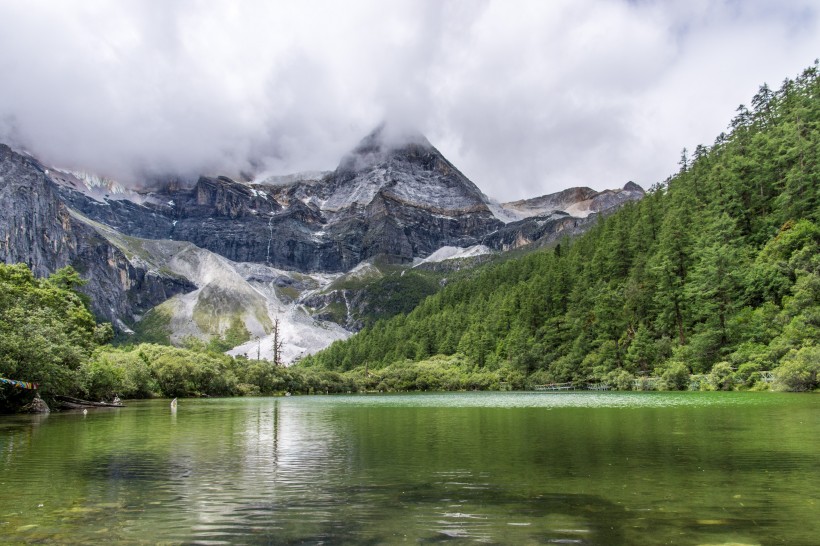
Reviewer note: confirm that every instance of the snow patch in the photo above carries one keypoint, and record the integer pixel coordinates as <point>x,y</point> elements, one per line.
<point>508,213</point>
<point>123,327</point>
<point>580,210</point>
<point>270,179</point>
<point>98,188</point>
<point>93,181</point>
<point>361,190</point>
<point>454,252</point>
<point>504,214</point>
<point>362,270</point>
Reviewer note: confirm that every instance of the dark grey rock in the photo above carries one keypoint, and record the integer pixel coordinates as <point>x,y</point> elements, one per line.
<point>401,202</point>
<point>37,228</point>
<point>540,229</point>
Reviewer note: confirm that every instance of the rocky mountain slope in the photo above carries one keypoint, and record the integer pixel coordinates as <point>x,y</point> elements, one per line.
<point>550,217</point>
<point>401,202</point>
<point>219,255</point>
<point>37,228</point>
<point>240,299</point>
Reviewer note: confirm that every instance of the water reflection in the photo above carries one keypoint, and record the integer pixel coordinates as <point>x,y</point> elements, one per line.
<point>465,469</point>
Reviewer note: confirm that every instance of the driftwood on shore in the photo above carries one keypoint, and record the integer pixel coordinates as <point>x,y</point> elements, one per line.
<point>69,402</point>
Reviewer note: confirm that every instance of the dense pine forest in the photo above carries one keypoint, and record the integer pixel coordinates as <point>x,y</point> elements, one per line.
<point>716,271</point>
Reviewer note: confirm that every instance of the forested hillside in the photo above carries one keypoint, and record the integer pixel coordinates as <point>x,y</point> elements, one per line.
<point>715,270</point>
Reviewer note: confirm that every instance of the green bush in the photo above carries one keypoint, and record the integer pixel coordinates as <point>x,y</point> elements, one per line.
<point>175,376</point>
<point>46,329</point>
<point>748,374</point>
<point>247,389</point>
<point>675,376</point>
<point>540,377</point>
<point>799,370</point>
<point>722,376</point>
<point>620,379</point>
<point>265,375</point>
<point>119,372</point>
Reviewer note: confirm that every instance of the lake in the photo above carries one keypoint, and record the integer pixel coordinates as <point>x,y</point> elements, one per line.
<point>457,468</point>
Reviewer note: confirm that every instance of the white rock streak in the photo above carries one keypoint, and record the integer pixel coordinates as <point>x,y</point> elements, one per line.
<point>227,291</point>
<point>454,252</point>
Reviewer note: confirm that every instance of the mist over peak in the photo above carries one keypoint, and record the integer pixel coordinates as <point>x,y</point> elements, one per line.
<point>525,101</point>
<point>392,135</point>
<point>386,139</point>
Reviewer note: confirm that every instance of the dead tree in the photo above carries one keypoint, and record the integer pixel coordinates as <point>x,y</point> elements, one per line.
<point>277,344</point>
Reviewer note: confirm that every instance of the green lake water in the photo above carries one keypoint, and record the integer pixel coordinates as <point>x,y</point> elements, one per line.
<point>461,468</point>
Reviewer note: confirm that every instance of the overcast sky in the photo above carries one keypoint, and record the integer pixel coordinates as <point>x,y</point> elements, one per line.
<point>525,97</point>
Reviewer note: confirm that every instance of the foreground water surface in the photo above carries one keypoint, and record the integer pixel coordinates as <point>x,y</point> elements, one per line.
<point>495,468</point>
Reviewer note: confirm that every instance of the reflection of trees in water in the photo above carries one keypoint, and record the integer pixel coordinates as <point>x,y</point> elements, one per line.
<point>17,434</point>
<point>327,483</point>
<point>261,445</point>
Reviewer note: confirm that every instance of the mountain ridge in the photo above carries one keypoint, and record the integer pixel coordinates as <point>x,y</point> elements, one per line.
<point>393,197</point>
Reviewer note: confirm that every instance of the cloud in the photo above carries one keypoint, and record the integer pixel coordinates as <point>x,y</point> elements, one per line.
<point>525,97</point>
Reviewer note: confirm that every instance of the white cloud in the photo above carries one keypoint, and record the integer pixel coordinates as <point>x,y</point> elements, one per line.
<point>525,97</point>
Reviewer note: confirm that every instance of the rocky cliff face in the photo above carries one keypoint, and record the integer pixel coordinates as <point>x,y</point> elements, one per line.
<point>400,200</point>
<point>392,196</point>
<point>577,202</point>
<point>551,217</point>
<point>37,228</point>
<point>541,229</point>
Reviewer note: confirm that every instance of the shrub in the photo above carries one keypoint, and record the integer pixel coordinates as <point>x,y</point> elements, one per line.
<point>675,376</point>
<point>117,372</point>
<point>722,377</point>
<point>747,374</point>
<point>265,375</point>
<point>247,389</point>
<point>799,370</point>
<point>621,379</point>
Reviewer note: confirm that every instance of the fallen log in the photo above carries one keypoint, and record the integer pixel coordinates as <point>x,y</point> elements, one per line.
<point>69,402</point>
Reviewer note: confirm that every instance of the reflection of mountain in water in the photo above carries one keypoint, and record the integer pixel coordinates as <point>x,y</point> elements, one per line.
<point>500,468</point>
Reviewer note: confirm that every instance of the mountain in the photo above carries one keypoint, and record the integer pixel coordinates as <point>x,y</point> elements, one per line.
<point>220,258</point>
<point>400,200</point>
